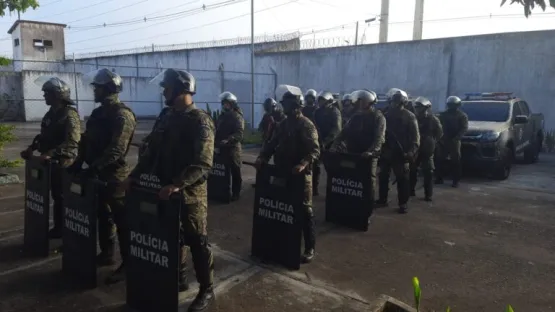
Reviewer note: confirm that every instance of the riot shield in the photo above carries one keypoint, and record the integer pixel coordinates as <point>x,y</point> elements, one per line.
<point>37,207</point>
<point>278,216</point>
<point>349,197</point>
<point>153,262</point>
<point>219,181</point>
<point>80,231</point>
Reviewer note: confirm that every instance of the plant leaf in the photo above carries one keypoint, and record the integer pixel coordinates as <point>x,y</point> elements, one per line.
<point>509,309</point>
<point>417,292</point>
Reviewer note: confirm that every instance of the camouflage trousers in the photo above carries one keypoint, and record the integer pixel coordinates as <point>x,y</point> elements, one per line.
<point>194,236</point>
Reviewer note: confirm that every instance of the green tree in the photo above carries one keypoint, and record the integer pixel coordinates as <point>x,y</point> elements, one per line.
<point>10,6</point>
<point>5,61</point>
<point>7,136</point>
<point>530,4</point>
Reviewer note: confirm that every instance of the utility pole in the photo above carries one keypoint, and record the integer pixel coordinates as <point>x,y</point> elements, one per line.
<point>356,35</point>
<point>418,20</point>
<point>384,21</point>
<point>252,64</point>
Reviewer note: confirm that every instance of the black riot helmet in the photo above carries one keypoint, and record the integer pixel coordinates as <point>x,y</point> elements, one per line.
<point>422,105</point>
<point>453,102</point>
<point>109,81</point>
<point>178,81</point>
<point>397,97</point>
<point>55,87</point>
<point>228,97</point>
<point>269,104</point>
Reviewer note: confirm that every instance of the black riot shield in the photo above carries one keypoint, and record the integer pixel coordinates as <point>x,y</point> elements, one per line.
<point>349,198</point>
<point>37,207</point>
<point>153,262</point>
<point>219,181</point>
<point>278,216</point>
<point>79,231</point>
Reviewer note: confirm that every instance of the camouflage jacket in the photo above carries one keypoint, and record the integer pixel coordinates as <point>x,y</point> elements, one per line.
<point>328,122</point>
<point>157,123</point>
<point>180,152</point>
<point>431,131</point>
<point>107,138</point>
<point>455,124</point>
<point>269,122</point>
<point>365,132</point>
<point>402,138</point>
<point>230,127</point>
<point>295,141</point>
<point>60,133</point>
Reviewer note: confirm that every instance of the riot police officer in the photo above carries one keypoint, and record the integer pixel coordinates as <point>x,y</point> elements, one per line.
<point>327,119</point>
<point>400,148</point>
<point>364,133</point>
<point>294,147</point>
<point>103,148</point>
<point>180,154</point>
<point>430,132</point>
<point>349,109</point>
<point>455,125</point>
<point>159,120</point>
<point>272,116</point>
<point>60,133</point>
<point>229,135</point>
<point>310,106</point>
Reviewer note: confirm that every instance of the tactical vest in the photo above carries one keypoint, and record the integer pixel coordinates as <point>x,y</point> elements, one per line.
<point>53,129</point>
<point>100,130</point>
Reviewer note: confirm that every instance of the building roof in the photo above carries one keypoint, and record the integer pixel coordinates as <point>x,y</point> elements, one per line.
<point>32,22</point>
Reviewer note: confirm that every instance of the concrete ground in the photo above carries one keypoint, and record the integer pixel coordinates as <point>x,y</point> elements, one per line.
<point>476,248</point>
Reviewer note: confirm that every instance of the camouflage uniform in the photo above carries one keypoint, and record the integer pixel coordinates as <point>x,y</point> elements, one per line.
<point>269,123</point>
<point>365,132</point>
<point>328,122</point>
<point>400,148</point>
<point>295,141</point>
<point>60,133</point>
<point>104,145</point>
<point>455,125</point>
<point>430,132</point>
<point>146,140</point>
<point>230,127</point>
<point>181,153</point>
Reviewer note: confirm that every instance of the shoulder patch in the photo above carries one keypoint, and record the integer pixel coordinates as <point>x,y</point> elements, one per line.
<point>204,131</point>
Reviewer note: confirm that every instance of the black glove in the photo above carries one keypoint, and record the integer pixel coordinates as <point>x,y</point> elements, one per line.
<point>89,173</point>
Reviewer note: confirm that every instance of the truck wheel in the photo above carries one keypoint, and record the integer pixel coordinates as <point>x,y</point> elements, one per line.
<point>532,154</point>
<point>502,170</point>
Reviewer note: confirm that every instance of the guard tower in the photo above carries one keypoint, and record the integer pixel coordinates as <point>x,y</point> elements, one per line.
<point>37,41</point>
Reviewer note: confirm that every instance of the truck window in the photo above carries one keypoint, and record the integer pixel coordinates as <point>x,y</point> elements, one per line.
<point>524,108</point>
<point>494,111</point>
<point>516,109</point>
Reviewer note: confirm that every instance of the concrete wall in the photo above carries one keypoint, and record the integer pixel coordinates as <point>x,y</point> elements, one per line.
<point>517,62</point>
<point>522,63</point>
<point>11,97</point>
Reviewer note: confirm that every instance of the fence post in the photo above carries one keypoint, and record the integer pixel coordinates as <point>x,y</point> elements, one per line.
<point>274,73</point>
<point>75,84</point>
<point>222,77</point>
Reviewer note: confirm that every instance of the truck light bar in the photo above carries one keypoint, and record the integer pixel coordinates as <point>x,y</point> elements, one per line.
<point>489,95</point>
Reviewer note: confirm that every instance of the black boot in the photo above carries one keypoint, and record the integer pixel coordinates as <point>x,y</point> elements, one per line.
<point>235,197</point>
<point>308,255</point>
<point>455,183</point>
<point>412,193</point>
<point>439,181</point>
<point>55,233</point>
<point>428,198</point>
<point>203,299</point>
<point>105,259</point>
<point>117,276</point>
<point>403,209</point>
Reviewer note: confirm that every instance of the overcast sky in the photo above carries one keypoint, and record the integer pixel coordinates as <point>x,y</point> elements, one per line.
<point>442,18</point>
